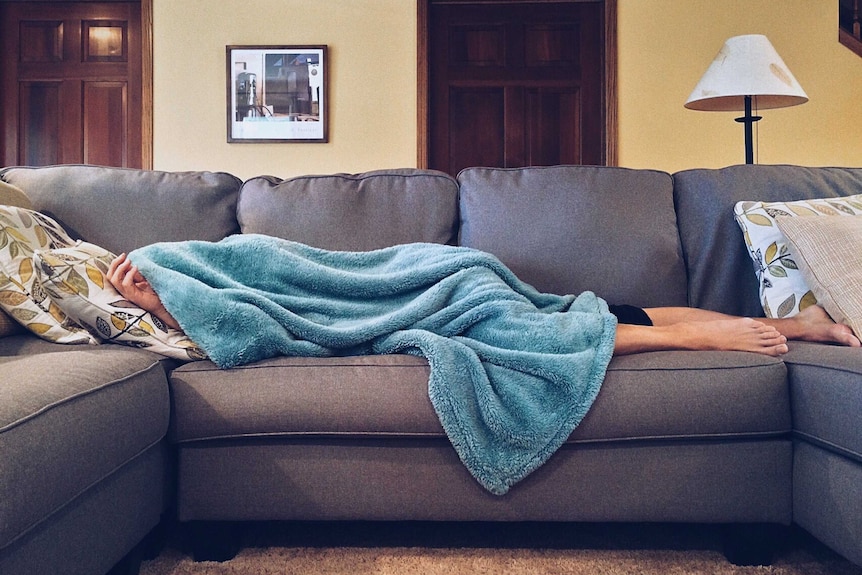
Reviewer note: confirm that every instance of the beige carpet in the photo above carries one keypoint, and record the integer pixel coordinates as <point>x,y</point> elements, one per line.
<point>678,552</point>
<point>425,561</point>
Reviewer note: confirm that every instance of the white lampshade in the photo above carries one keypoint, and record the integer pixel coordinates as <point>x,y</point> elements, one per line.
<point>746,66</point>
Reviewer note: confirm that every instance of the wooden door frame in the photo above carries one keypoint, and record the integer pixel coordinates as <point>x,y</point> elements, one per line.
<point>147,84</point>
<point>423,85</point>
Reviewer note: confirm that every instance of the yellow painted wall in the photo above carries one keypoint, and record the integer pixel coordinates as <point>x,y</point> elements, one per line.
<point>666,45</point>
<point>664,48</point>
<point>372,83</point>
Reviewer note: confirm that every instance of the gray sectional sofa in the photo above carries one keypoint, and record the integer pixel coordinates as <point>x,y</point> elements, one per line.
<point>100,443</point>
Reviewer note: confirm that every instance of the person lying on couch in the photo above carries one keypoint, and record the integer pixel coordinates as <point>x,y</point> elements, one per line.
<point>638,330</point>
<point>512,371</point>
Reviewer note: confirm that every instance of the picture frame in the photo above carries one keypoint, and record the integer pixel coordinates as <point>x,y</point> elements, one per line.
<point>277,94</point>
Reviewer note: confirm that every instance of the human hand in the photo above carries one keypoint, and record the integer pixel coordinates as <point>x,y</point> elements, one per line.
<point>134,287</point>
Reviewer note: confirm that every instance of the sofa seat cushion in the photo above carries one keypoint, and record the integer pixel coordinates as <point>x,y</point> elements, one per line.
<point>70,416</point>
<point>826,395</point>
<point>376,395</point>
<point>667,395</point>
<point>690,395</point>
<point>353,212</point>
<point>568,229</point>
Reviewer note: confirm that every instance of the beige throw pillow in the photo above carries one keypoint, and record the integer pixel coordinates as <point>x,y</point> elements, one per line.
<point>783,291</point>
<point>828,252</point>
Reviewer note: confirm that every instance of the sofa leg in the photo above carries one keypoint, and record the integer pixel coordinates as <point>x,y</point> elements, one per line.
<point>214,540</point>
<point>747,544</point>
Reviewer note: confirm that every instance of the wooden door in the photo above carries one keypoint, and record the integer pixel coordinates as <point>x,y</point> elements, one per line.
<point>515,84</point>
<point>71,83</point>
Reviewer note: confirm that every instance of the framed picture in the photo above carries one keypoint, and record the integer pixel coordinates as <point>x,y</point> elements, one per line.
<point>276,94</point>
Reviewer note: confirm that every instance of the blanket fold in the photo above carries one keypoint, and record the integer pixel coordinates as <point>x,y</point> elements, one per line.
<point>513,370</point>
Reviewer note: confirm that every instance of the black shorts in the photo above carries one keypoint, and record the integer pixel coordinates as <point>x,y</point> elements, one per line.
<point>630,314</point>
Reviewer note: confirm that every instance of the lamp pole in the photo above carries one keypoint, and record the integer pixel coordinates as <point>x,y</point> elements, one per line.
<point>748,120</point>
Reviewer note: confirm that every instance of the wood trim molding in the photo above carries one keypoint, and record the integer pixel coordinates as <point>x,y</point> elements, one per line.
<point>147,84</point>
<point>423,83</point>
<point>850,41</point>
<point>611,105</point>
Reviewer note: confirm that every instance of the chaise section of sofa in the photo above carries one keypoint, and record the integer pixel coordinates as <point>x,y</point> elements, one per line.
<point>87,472</point>
<point>75,499</point>
<point>826,395</point>
<point>825,381</point>
<point>85,465</point>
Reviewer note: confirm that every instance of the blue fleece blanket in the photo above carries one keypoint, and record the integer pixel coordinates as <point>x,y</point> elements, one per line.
<point>513,371</point>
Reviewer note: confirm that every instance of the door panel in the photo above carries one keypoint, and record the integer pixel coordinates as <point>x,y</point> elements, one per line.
<point>39,122</point>
<point>551,45</point>
<point>553,122</point>
<point>41,41</point>
<point>475,127</point>
<point>71,83</point>
<point>104,103</point>
<point>515,84</point>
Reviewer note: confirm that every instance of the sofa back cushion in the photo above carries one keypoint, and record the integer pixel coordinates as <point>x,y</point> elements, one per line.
<point>122,209</point>
<point>566,229</point>
<point>353,212</point>
<point>721,272</point>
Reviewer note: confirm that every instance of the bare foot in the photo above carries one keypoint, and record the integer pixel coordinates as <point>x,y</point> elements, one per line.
<point>814,324</point>
<point>738,334</point>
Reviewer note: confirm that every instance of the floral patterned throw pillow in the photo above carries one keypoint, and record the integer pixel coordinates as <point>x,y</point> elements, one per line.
<point>74,277</point>
<point>783,290</point>
<point>22,232</point>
